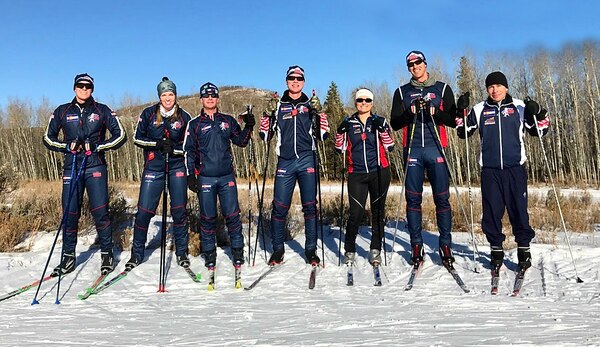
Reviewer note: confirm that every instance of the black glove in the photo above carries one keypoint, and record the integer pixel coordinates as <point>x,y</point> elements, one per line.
<point>532,108</point>
<point>164,145</point>
<point>417,105</point>
<point>249,120</point>
<point>377,124</point>
<point>316,124</point>
<point>463,102</point>
<point>192,183</point>
<point>90,147</point>
<point>344,126</point>
<point>74,146</point>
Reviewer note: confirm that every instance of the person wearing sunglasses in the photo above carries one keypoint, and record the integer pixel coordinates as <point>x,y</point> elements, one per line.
<point>210,174</point>
<point>298,124</point>
<point>423,108</point>
<point>365,137</point>
<point>160,131</point>
<point>84,124</point>
<point>502,121</point>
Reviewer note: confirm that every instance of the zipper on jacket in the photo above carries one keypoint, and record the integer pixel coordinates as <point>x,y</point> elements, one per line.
<point>500,134</point>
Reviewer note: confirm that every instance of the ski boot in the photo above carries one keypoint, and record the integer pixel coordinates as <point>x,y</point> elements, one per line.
<point>375,257</point>
<point>447,257</point>
<point>108,263</point>
<point>210,258</point>
<point>349,258</point>
<point>312,258</point>
<point>276,257</point>
<point>238,256</point>
<point>132,263</point>
<point>183,260</point>
<point>67,265</point>
<point>417,253</point>
<point>524,257</point>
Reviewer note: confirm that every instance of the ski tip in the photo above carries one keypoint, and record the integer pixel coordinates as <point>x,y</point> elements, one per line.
<point>211,288</point>
<point>238,285</point>
<point>579,280</point>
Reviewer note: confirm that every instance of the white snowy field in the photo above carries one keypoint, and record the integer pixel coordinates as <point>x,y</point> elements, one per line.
<point>552,310</point>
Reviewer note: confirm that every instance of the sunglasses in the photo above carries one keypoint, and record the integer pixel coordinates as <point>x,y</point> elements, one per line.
<point>294,78</point>
<point>418,62</point>
<point>84,86</point>
<point>359,100</point>
<point>214,96</point>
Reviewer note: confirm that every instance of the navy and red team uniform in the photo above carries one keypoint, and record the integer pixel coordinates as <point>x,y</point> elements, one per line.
<point>426,134</point>
<point>366,153</point>
<point>296,162</point>
<point>208,156</point>
<point>85,123</point>
<point>152,128</point>
<point>503,175</point>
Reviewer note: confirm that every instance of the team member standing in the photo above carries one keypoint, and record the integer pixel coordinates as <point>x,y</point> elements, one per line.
<point>160,131</point>
<point>422,108</point>
<point>84,123</point>
<point>502,121</point>
<point>298,125</point>
<point>209,165</point>
<point>365,137</point>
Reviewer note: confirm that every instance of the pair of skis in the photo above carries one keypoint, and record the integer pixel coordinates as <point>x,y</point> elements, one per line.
<point>350,275</point>
<point>518,284</point>
<point>237,278</point>
<point>418,266</point>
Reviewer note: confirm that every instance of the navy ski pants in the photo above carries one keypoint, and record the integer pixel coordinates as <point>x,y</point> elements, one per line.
<point>430,160</point>
<point>95,181</point>
<point>151,189</point>
<point>288,172</point>
<point>225,188</point>
<point>505,190</point>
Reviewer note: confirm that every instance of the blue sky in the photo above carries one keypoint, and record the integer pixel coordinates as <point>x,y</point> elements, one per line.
<point>127,46</point>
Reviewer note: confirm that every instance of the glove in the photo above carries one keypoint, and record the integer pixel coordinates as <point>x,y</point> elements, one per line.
<point>192,183</point>
<point>74,146</point>
<point>344,126</point>
<point>90,147</point>
<point>249,120</point>
<point>417,105</point>
<point>377,124</point>
<point>532,108</point>
<point>463,102</point>
<point>314,101</point>
<point>316,123</point>
<point>272,105</point>
<point>164,145</point>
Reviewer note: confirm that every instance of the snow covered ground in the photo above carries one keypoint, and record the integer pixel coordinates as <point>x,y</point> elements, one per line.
<point>281,310</point>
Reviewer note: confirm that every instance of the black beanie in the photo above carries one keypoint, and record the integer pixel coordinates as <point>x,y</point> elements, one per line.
<point>496,77</point>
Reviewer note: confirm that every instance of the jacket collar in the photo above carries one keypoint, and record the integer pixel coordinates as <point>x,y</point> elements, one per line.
<point>507,101</point>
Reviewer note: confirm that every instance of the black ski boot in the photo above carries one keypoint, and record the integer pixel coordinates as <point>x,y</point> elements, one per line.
<point>349,258</point>
<point>447,257</point>
<point>210,258</point>
<point>417,253</point>
<point>132,263</point>
<point>524,256</point>
<point>311,257</point>
<point>183,260</point>
<point>497,259</point>
<point>67,264</point>
<point>108,263</point>
<point>238,256</point>
<point>276,257</point>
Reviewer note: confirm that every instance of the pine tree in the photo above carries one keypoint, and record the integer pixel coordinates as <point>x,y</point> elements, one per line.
<point>334,108</point>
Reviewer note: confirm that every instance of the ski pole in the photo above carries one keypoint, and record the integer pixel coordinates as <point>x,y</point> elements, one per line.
<point>342,205</point>
<point>562,219</point>
<point>404,176</point>
<point>260,224</point>
<point>72,188</point>
<point>380,228</point>
<point>163,232</point>
<point>469,189</point>
<point>451,175</point>
<point>318,174</point>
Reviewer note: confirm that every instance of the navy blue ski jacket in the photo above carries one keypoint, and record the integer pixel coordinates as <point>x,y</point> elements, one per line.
<point>87,123</point>
<point>149,130</point>
<point>207,144</point>
<point>501,129</point>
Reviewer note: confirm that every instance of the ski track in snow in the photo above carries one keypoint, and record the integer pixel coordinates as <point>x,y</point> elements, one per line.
<point>281,310</point>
